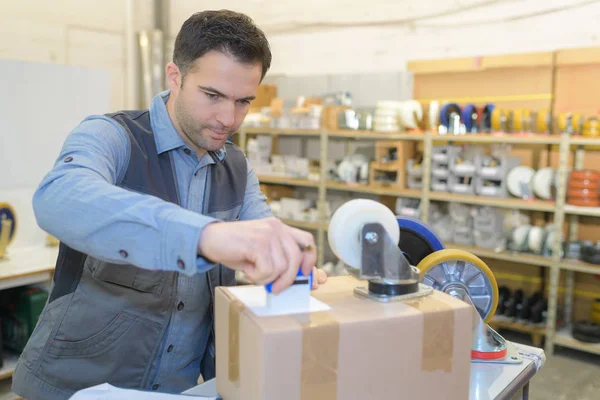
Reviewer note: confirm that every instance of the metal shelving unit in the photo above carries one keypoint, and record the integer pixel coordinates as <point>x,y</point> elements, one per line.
<point>559,208</point>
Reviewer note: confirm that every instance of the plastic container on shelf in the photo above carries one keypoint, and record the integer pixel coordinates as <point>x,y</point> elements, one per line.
<point>486,240</point>
<point>439,185</point>
<point>413,169</point>
<point>495,168</point>
<point>488,219</point>
<point>463,235</point>
<point>461,184</point>
<point>414,182</point>
<point>441,172</point>
<point>490,188</point>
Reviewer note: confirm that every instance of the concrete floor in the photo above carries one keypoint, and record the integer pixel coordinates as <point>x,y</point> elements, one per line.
<point>567,375</point>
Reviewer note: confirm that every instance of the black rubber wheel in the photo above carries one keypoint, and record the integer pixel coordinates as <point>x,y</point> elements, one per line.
<point>585,338</point>
<point>537,311</point>
<point>587,328</point>
<point>503,296</point>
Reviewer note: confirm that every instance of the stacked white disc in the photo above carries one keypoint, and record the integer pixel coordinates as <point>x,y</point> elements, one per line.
<point>387,116</point>
<point>397,115</point>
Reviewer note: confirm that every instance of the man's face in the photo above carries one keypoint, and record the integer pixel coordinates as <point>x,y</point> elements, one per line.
<point>214,99</point>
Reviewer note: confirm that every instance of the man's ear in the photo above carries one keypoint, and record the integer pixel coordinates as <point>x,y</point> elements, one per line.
<point>174,76</point>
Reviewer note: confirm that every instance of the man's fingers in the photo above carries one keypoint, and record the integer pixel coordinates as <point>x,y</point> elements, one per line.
<point>263,271</point>
<point>322,276</point>
<point>294,257</point>
<point>306,242</point>
<point>315,280</point>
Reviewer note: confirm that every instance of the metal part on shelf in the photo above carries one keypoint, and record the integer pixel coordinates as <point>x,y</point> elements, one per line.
<point>559,208</point>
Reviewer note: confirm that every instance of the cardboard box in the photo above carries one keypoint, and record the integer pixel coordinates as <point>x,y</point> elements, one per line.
<point>330,116</point>
<point>359,349</point>
<point>276,192</point>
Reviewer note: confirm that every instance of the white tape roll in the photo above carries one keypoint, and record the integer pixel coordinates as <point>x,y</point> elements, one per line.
<point>346,225</point>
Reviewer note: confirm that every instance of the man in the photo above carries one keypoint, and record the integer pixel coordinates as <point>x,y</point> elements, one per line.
<point>149,205</point>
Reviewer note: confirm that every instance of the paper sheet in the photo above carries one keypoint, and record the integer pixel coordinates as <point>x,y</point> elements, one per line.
<point>106,391</point>
<point>255,298</point>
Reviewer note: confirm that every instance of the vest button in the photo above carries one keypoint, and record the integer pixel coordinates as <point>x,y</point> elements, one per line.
<point>180,306</point>
<point>155,386</point>
<point>123,253</point>
<point>69,159</point>
<point>170,349</point>
<point>180,264</point>
<point>187,151</point>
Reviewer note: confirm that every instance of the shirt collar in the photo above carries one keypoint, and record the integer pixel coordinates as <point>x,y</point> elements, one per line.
<point>165,134</point>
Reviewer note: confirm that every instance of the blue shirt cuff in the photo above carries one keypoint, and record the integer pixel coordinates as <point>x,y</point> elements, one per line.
<point>180,238</point>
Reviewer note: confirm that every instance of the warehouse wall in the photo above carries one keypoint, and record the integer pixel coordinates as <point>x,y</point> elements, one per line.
<point>86,33</point>
<point>380,36</point>
<point>390,33</point>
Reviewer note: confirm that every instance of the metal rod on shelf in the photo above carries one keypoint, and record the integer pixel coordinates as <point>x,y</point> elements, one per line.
<point>559,218</point>
<point>573,236</point>
<point>426,168</point>
<point>322,198</point>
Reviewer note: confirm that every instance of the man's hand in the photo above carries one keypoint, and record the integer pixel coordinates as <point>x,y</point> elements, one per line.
<point>266,250</point>
<point>319,278</point>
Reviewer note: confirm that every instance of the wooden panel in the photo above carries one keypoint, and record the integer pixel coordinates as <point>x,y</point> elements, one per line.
<point>586,55</point>
<point>577,88</point>
<point>480,63</point>
<point>518,60</point>
<point>589,228</point>
<point>510,87</point>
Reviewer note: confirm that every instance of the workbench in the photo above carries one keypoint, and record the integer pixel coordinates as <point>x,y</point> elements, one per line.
<point>506,381</point>
<point>488,382</point>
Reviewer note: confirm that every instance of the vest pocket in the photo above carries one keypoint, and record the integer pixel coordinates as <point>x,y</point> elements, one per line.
<point>143,280</point>
<point>227,214</point>
<point>97,343</point>
<point>119,354</point>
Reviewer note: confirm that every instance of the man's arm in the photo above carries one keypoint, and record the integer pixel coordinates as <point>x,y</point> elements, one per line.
<point>79,203</point>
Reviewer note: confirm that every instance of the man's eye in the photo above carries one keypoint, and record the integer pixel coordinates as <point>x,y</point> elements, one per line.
<point>212,96</point>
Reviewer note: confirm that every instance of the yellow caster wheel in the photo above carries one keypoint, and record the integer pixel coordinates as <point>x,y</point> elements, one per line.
<point>450,268</point>
<point>496,118</point>
<point>543,122</point>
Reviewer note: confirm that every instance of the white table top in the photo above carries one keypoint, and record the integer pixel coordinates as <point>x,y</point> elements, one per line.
<point>488,381</point>
<point>502,381</point>
<point>27,261</point>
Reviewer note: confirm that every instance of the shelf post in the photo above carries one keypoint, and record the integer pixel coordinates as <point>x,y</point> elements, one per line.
<point>573,236</point>
<point>322,198</point>
<point>559,218</point>
<point>426,168</point>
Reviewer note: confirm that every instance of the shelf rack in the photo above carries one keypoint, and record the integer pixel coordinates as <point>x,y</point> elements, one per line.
<point>558,209</point>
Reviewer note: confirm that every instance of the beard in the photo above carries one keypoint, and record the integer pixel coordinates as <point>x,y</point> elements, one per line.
<point>196,132</point>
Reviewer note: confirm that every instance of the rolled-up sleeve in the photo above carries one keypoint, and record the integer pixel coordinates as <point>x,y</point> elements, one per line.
<point>79,202</point>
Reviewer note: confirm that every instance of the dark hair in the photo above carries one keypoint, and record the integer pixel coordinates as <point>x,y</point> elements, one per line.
<point>226,31</point>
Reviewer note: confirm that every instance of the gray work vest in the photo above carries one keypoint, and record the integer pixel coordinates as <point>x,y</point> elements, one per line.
<point>130,306</point>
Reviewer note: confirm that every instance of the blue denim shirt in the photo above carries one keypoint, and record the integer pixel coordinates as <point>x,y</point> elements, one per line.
<point>109,218</point>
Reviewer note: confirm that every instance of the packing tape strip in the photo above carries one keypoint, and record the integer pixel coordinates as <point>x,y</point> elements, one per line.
<point>235,310</point>
<point>438,345</point>
<point>320,351</point>
<point>320,355</point>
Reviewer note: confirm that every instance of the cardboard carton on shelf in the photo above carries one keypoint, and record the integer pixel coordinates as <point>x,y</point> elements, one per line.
<point>356,349</point>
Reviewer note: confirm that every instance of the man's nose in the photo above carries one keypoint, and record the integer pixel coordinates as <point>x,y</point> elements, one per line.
<point>226,115</point>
